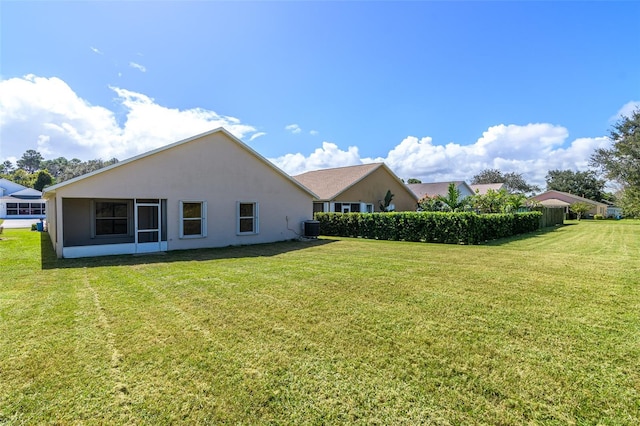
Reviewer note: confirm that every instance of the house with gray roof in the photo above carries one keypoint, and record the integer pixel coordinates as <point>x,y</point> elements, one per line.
<point>360,188</point>
<point>440,188</point>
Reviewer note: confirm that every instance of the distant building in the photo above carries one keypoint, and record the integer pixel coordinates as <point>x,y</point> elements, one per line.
<point>483,188</point>
<point>357,189</point>
<point>440,188</point>
<point>20,202</point>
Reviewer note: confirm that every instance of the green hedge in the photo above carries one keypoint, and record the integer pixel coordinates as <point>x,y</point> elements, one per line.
<point>430,227</point>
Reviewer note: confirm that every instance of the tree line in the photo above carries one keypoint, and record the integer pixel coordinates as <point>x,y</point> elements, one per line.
<point>33,171</point>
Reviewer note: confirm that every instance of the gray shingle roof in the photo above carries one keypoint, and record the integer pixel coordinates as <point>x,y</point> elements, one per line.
<point>432,189</point>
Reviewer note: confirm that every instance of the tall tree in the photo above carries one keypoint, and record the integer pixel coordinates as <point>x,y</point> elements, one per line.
<point>584,184</point>
<point>513,182</point>
<point>20,176</point>
<point>30,161</point>
<point>42,179</point>
<point>414,180</point>
<point>6,167</point>
<point>56,167</point>
<point>621,162</point>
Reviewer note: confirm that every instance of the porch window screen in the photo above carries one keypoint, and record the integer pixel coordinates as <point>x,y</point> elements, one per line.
<point>112,217</point>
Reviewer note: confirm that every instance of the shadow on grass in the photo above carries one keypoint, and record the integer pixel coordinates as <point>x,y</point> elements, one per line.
<point>50,261</point>
<point>535,234</point>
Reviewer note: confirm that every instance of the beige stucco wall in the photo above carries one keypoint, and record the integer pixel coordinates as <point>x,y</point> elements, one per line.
<point>373,188</point>
<point>215,169</point>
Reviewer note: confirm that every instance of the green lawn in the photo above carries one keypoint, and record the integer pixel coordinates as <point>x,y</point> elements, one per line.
<point>543,329</point>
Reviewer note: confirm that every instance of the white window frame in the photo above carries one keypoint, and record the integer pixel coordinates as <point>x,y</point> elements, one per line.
<point>255,217</point>
<point>202,218</point>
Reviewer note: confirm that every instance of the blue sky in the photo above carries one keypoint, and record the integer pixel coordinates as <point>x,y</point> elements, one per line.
<point>437,90</point>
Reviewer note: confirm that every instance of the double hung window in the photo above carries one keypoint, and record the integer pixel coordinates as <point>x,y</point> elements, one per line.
<point>193,219</point>
<point>247,218</point>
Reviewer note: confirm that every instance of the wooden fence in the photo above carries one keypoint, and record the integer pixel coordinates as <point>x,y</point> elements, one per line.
<point>551,216</point>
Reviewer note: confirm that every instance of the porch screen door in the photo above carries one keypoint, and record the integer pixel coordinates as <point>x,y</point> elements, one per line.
<point>147,227</point>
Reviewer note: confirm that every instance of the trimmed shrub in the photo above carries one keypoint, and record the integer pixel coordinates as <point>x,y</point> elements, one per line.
<point>431,227</point>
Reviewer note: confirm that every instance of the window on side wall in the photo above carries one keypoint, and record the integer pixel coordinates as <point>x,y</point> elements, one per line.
<point>193,219</point>
<point>247,218</point>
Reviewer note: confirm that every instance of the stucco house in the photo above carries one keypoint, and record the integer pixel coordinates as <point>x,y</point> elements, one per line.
<point>19,202</point>
<point>440,188</point>
<point>557,199</point>
<point>210,190</point>
<point>360,188</point>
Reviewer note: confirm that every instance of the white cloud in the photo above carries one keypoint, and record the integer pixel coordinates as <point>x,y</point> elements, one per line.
<point>256,136</point>
<point>95,50</point>
<point>314,133</point>
<point>532,150</point>
<point>327,156</point>
<point>137,66</point>
<point>626,110</point>
<point>47,115</point>
<point>293,128</point>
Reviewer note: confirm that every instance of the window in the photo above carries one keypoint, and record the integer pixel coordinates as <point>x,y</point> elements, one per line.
<point>368,208</point>
<point>247,218</point>
<point>12,209</point>
<point>25,209</point>
<point>111,218</point>
<point>347,207</point>
<point>193,219</point>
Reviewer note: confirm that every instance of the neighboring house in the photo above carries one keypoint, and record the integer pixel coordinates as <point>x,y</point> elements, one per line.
<point>557,199</point>
<point>440,188</point>
<point>210,190</point>
<point>613,211</point>
<point>20,202</point>
<point>482,188</point>
<point>359,188</point>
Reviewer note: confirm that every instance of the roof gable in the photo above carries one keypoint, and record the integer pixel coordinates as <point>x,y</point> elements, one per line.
<point>222,131</point>
<point>8,187</point>
<point>329,183</point>
<point>27,193</point>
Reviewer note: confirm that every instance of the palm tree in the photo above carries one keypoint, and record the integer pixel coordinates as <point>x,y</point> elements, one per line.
<point>452,200</point>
